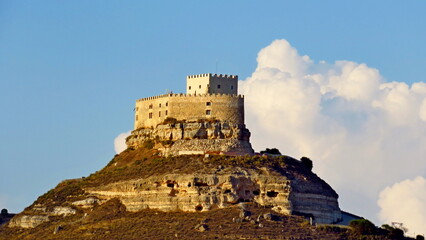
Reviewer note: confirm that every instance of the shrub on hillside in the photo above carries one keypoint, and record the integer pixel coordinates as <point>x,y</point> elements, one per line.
<point>362,226</point>
<point>307,163</point>
<point>394,232</point>
<point>4,212</point>
<point>272,151</point>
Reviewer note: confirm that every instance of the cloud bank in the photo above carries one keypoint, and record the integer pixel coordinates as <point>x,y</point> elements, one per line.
<point>405,202</point>
<point>362,132</point>
<point>120,142</point>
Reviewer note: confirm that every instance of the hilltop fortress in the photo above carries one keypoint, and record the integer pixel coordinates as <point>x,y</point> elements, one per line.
<point>208,118</point>
<point>206,121</point>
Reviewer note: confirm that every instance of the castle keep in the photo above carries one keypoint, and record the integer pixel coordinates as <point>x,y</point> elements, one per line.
<point>211,114</point>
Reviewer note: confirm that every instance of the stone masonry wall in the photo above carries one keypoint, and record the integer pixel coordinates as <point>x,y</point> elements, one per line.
<point>154,110</point>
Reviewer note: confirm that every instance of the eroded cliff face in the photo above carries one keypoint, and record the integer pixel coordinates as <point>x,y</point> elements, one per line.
<point>225,187</point>
<point>179,138</point>
<point>287,188</point>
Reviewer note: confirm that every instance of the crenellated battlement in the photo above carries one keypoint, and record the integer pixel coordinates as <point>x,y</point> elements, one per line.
<point>222,76</point>
<point>213,95</point>
<point>212,83</point>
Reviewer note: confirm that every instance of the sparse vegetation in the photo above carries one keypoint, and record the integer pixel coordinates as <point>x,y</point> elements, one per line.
<point>148,144</point>
<point>64,191</point>
<point>110,220</point>
<point>393,232</point>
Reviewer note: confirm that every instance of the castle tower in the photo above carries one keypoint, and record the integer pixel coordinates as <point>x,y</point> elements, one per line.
<point>212,83</point>
<point>208,118</point>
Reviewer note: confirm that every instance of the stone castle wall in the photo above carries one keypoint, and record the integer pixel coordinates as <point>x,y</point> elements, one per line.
<point>151,111</point>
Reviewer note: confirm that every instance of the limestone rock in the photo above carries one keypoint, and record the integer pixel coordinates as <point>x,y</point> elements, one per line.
<point>86,203</point>
<point>203,192</point>
<point>28,221</point>
<point>201,227</point>
<point>63,211</point>
<point>195,137</point>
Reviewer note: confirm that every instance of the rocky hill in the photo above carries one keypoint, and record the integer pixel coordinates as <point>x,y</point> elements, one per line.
<point>141,195</point>
<point>176,137</point>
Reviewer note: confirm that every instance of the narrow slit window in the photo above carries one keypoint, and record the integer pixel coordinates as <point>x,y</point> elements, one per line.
<point>150,115</point>
<point>159,114</point>
<point>189,87</point>
<point>166,112</point>
<point>218,86</point>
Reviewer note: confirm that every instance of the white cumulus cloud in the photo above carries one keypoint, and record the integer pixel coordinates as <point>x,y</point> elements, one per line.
<point>405,202</point>
<point>120,142</point>
<point>362,132</point>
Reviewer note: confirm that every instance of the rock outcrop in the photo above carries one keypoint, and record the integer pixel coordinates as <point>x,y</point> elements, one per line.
<point>226,187</point>
<point>196,183</point>
<point>177,138</point>
<point>28,221</point>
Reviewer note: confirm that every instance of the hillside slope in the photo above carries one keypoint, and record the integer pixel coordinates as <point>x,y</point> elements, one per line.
<point>140,195</point>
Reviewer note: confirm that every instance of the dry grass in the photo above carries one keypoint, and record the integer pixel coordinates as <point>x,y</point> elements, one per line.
<point>111,222</point>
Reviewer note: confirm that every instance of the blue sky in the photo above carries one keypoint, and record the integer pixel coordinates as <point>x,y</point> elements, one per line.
<point>70,71</point>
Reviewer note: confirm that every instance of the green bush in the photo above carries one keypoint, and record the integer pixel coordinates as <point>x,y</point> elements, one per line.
<point>362,226</point>
<point>393,232</point>
<point>396,233</point>
<point>4,212</point>
<point>307,163</point>
<point>273,151</point>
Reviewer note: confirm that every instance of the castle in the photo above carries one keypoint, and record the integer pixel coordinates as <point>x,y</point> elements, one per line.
<point>211,114</point>
<point>208,119</point>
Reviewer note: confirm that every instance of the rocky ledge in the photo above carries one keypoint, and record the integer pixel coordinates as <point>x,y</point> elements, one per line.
<point>180,138</point>
<point>224,188</point>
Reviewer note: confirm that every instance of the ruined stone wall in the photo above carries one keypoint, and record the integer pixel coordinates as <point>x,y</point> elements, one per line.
<point>150,112</point>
